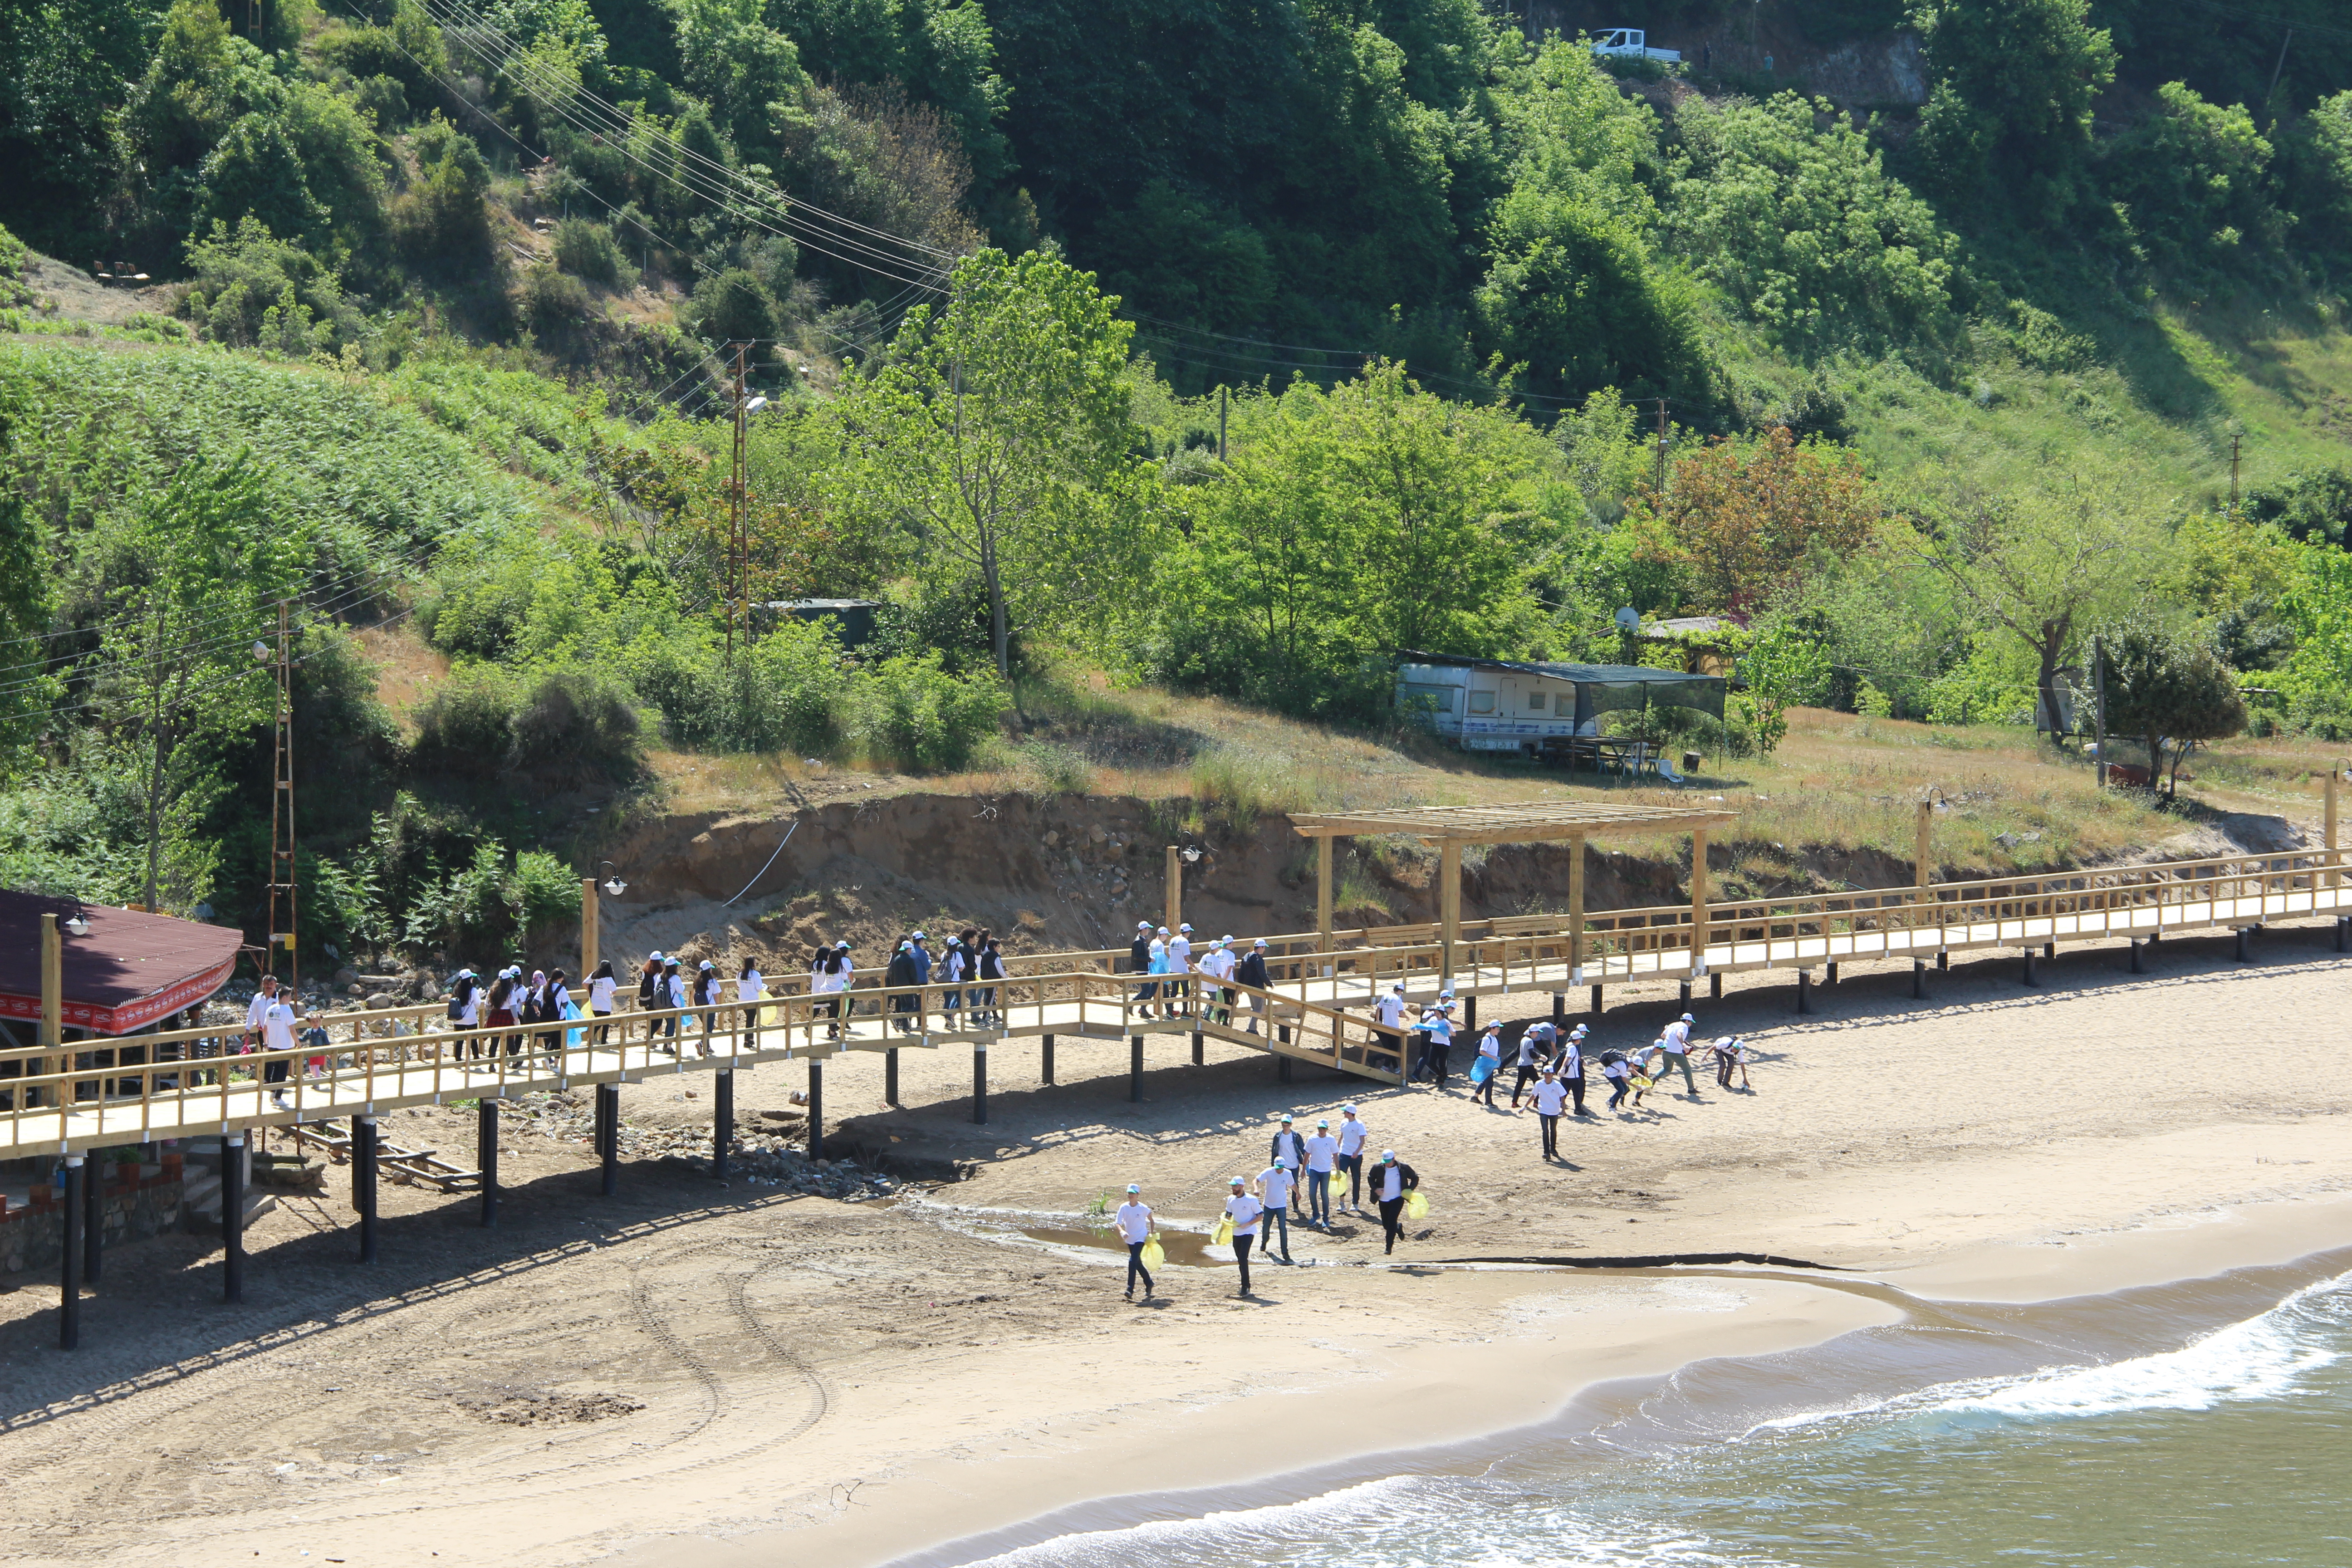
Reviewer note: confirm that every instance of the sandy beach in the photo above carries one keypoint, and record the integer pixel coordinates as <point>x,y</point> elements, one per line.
<point>717,1376</point>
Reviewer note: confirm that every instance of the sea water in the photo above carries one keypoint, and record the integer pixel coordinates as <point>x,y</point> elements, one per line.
<point>2226,1444</point>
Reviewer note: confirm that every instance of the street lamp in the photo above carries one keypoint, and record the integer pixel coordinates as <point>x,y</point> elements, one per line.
<point>612,884</point>
<point>76,923</point>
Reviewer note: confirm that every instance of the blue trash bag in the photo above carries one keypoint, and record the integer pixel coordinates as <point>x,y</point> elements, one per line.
<point>573,1038</point>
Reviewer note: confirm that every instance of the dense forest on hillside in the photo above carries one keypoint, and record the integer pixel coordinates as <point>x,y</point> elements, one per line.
<point>1232,347</point>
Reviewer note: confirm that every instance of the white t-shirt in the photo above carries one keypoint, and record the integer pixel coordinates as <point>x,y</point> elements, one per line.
<point>1134,1221</point>
<point>277,1027</point>
<point>1389,1010</point>
<point>1550,1097</point>
<point>825,982</point>
<point>750,987</point>
<point>1276,1182</point>
<point>676,990</point>
<point>1218,966</point>
<point>1352,1134</point>
<point>471,1013</point>
<point>1319,1149</point>
<point>1244,1210</point>
<point>1390,1179</point>
<point>1179,955</point>
<point>558,997</point>
<point>1491,1046</point>
<point>256,1008</point>
<point>1677,1038</point>
<point>600,993</point>
<point>1571,1062</point>
<point>1440,1028</point>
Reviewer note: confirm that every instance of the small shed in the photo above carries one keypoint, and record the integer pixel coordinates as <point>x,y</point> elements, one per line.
<point>1511,705</point>
<point>853,619</point>
<point>128,971</point>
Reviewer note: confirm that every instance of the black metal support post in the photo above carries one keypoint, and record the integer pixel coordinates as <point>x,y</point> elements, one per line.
<point>722,1121</point>
<point>2243,957</point>
<point>1558,1009</point>
<point>363,1182</point>
<point>1804,991</point>
<point>1281,1068</point>
<point>69,1276</point>
<point>1830,977</point>
<point>91,1216</point>
<point>1596,1001</point>
<point>1686,985</point>
<point>1714,985</point>
<point>1135,1068</point>
<point>1200,1049</point>
<point>980,1082</point>
<point>890,1072</point>
<point>608,1122</point>
<point>2343,933</point>
<point>232,1193</point>
<point>486,1157</point>
<point>1919,980</point>
<point>816,1110</point>
<point>2029,978</point>
<point>2048,950</point>
<point>2136,958</point>
<point>1045,1063</point>
<point>1943,959</point>
<point>1470,1014</point>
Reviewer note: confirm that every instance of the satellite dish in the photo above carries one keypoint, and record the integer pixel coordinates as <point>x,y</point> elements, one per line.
<point>1629,619</point>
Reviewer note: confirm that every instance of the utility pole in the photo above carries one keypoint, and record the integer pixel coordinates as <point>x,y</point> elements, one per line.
<point>2234,441</point>
<point>1658,486</point>
<point>282,868</point>
<point>738,551</point>
<point>1221,422</point>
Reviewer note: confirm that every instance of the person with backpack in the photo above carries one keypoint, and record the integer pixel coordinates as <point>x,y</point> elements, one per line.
<point>1392,1179</point>
<point>501,1011</point>
<point>954,968</point>
<point>988,965</point>
<point>1243,1210</point>
<point>1134,1223</point>
<point>465,1009</point>
<point>1251,972</point>
<point>902,973</point>
<point>1614,1068</point>
<point>706,995</point>
<point>558,1009</point>
<point>1538,1042</point>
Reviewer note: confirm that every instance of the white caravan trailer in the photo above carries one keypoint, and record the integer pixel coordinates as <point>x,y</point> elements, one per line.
<point>1504,705</point>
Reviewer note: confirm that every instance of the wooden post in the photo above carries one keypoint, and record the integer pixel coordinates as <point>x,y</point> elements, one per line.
<point>1449,897</point>
<point>1576,909</point>
<point>2334,773</point>
<point>587,930</point>
<point>1698,903</point>
<point>1920,862</point>
<point>53,1003</point>
<point>1175,916</point>
<point>1323,878</point>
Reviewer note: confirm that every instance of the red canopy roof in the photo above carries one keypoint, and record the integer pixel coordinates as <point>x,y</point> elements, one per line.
<point>128,970</point>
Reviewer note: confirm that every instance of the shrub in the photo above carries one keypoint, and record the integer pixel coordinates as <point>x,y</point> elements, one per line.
<point>588,250</point>
<point>443,221</point>
<point>1059,770</point>
<point>552,302</point>
<point>561,726</point>
<point>783,693</point>
<point>468,728</point>
<point>909,710</point>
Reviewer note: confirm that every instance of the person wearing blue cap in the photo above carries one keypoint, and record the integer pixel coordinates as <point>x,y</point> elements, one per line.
<point>1134,1222</point>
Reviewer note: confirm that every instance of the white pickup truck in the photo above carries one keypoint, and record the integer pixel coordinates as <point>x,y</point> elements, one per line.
<point>1631,43</point>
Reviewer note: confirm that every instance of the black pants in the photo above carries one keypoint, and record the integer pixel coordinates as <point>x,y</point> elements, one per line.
<point>1135,1266</point>
<point>1241,1256</point>
<point>1723,1066</point>
<point>1576,1092</point>
<point>1354,1166</point>
<point>1550,1133</point>
<point>276,1071</point>
<point>1485,1090</point>
<point>1528,1075</point>
<point>1391,1222</point>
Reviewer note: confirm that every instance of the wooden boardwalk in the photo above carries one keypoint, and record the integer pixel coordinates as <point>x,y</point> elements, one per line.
<point>142,1089</point>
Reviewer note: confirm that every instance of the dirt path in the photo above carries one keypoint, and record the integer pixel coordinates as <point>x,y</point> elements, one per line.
<point>687,1362</point>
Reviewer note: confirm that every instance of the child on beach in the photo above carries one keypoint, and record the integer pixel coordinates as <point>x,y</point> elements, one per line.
<point>314,1035</point>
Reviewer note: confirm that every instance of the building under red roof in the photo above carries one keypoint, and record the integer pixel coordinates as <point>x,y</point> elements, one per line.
<point>126,972</point>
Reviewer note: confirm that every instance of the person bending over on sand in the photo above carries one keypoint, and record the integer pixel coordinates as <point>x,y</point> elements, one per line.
<point>1537,1041</point>
<point>1675,1043</point>
<point>1278,1185</point>
<point>1550,1100</point>
<point>1352,1133</point>
<point>1243,1211</point>
<point>1322,1150</point>
<point>1730,1053</point>
<point>1134,1221</point>
<point>1613,1070</point>
<point>1392,1179</point>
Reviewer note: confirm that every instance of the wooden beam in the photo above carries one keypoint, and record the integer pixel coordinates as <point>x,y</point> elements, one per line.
<point>2334,773</point>
<point>1922,859</point>
<point>1576,909</point>
<point>1699,901</point>
<point>53,984</point>
<point>1175,889</point>
<point>587,931</point>
<point>1323,889</point>
<point>1449,895</point>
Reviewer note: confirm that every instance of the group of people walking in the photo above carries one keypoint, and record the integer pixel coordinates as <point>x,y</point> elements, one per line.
<point>969,966</point>
<point>1302,1182</point>
<point>1166,958</point>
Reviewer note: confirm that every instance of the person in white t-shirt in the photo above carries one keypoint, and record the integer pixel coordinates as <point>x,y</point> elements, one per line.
<point>1675,1043</point>
<point>1134,1223</point>
<point>1352,1133</point>
<point>277,1035</point>
<point>602,987</point>
<point>1180,965</point>
<point>1219,967</point>
<point>1274,1186</point>
<point>1388,1022</point>
<point>1551,1098</point>
<point>750,987</point>
<point>1243,1211</point>
<point>1489,1062</point>
<point>1392,1179</point>
<point>1322,1151</point>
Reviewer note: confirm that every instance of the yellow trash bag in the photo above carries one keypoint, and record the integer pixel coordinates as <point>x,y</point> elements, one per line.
<point>1416,1205</point>
<point>1154,1255</point>
<point>1224,1234</point>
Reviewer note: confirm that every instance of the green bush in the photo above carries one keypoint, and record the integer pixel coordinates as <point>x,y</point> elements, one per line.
<point>911,710</point>
<point>254,290</point>
<point>588,250</point>
<point>560,726</point>
<point>467,727</point>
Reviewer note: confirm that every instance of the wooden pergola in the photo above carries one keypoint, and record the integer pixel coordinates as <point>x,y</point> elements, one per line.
<point>1525,822</point>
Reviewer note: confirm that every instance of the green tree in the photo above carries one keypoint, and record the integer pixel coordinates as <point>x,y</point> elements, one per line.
<point>443,220</point>
<point>195,570</point>
<point>2174,692</point>
<point>66,67</point>
<point>2009,110</point>
<point>256,172</point>
<point>2196,176</point>
<point>1785,665</point>
<point>997,435</point>
<point>748,72</point>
